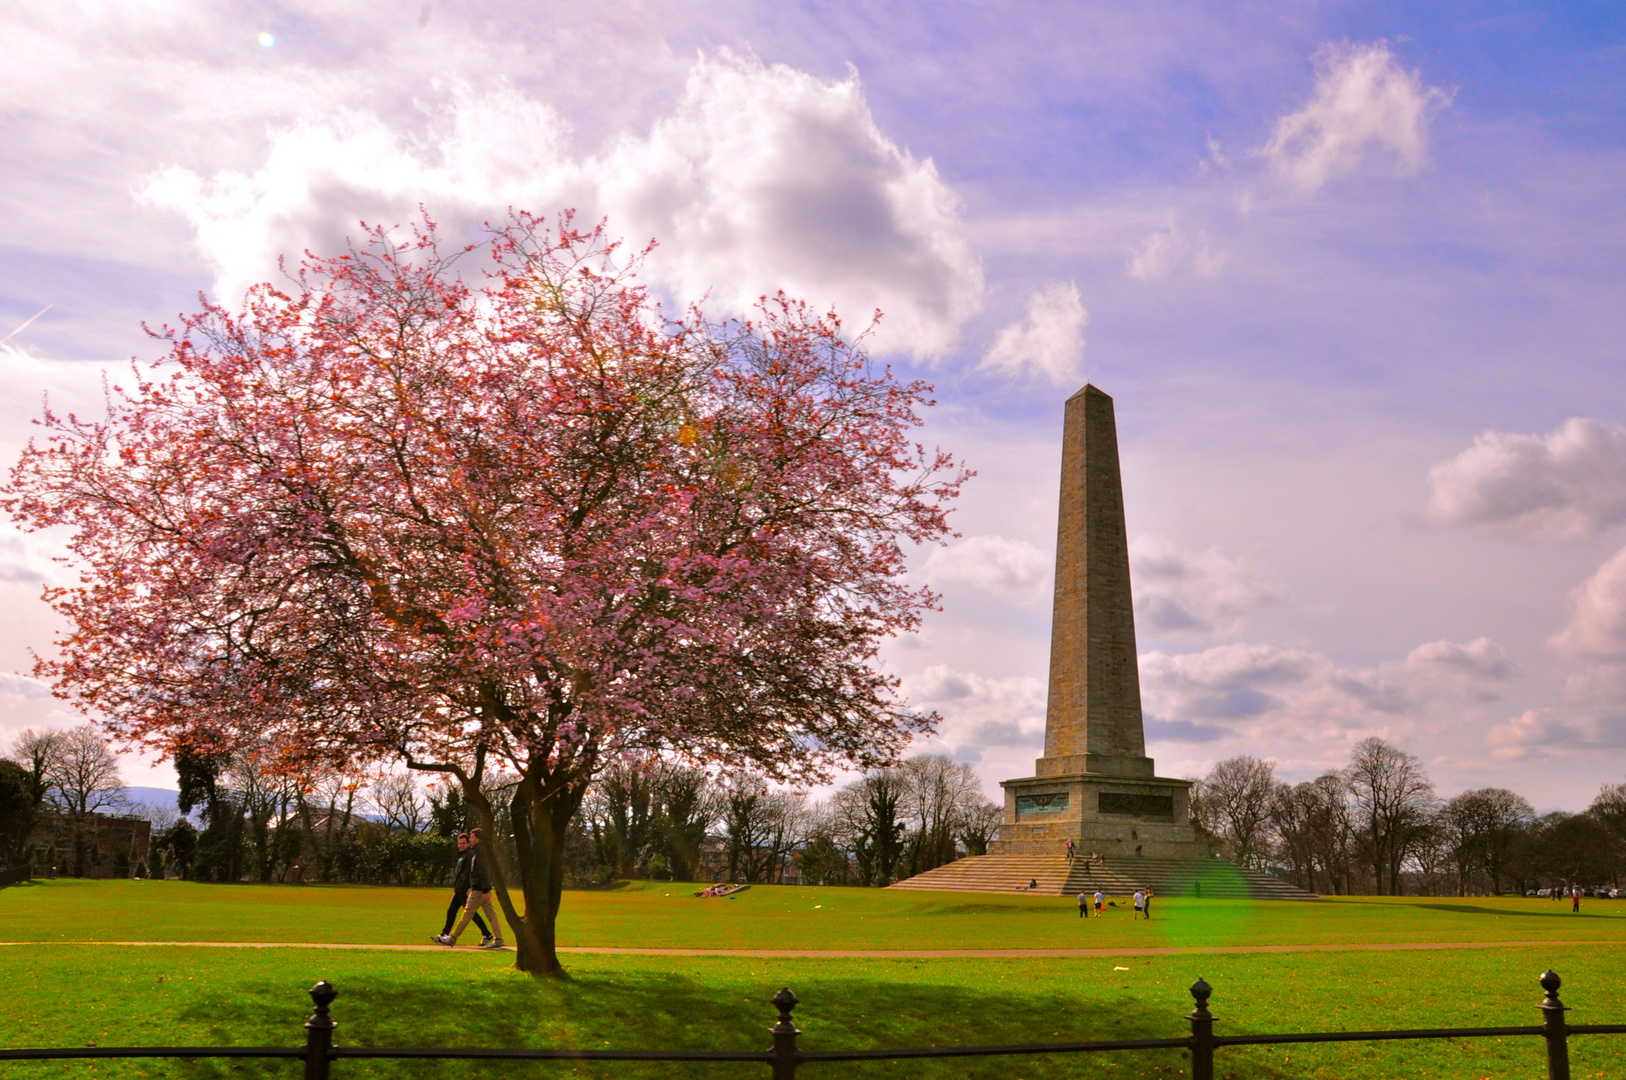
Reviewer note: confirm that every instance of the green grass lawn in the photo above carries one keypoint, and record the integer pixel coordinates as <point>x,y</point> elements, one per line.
<point>779,917</point>
<point>72,994</point>
<point>113,995</point>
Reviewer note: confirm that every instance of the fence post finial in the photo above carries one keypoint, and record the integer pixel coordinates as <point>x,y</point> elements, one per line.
<point>1202,1032</point>
<point>319,1032</point>
<point>1553,1028</point>
<point>784,1037</point>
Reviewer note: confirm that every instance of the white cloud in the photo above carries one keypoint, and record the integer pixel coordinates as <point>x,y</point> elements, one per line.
<point>1597,626</point>
<point>26,558</point>
<point>1364,101</point>
<point>1305,705</point>
<point>1013,567</point>
<point>1167,250</point>
<point>321,176</point>
<point>1539,732</point>
<point>1591,711</point>
<point>1049,341</point>
<point>980,714</point>
<point>1569,483</point>
<point>1477,669</point>
<point>760,178</point>
<point>1479,658</point>
<point>1183,592</point>
<point>24,686</point>
<point>765,177</point>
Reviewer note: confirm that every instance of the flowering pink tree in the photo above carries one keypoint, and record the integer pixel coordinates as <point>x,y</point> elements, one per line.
<point>528,522</point>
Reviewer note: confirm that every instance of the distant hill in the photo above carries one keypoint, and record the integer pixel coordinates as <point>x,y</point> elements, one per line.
<point>152,796</point>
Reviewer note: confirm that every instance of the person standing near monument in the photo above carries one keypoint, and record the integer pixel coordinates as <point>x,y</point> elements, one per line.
<point>1140,904</point>
<point>1100,902</point>
<point>1146,906</point>
<point>1083,905</point>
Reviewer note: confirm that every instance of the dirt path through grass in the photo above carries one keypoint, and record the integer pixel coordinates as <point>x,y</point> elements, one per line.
<point>849,954</point>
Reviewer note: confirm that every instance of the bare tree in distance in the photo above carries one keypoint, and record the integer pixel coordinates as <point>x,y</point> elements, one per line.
<point>1483,826</point>
<point>399,800</point>
<point>937,792</point>
<point>1393,798</point>
<point>869,814</point>
<point>762,827</point>
<point>1610,810</point>
<point>1234,800</point>
<point>979,824</point>
<point>36,751</point>
<point>81,776</point>
<point>1313,823</point>
<point>823,858</point>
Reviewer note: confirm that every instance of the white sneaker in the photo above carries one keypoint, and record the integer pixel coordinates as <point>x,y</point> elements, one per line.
<point>442,939</point>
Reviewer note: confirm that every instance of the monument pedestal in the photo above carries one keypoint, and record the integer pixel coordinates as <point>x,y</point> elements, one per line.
<point>1122,817</point>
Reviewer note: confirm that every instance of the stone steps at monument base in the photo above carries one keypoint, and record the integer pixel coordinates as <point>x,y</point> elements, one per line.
<point>1211,878</point>
<point>994,873</point>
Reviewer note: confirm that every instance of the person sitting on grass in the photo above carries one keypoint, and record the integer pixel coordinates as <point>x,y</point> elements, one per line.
<point>460,893</point>
<point>479,897</point>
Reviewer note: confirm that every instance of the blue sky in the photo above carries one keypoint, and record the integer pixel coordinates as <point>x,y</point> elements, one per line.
<point>1353,274</point>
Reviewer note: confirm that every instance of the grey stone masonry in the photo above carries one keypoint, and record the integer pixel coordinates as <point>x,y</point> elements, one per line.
<point>1094,785</point>
<point>1093,718</point>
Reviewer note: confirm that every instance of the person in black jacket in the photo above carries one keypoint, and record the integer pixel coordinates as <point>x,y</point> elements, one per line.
<point>460,893</point>
<point>479,899</point>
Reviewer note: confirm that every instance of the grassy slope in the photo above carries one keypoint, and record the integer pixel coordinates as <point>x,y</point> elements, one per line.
<point>665,916</point>
<point>70,995</point>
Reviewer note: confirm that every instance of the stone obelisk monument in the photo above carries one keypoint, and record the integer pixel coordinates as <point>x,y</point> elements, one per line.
<point>1095,785</point>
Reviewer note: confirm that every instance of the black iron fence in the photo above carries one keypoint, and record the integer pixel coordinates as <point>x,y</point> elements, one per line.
<point>14,876</point>
<point>784,1056</point>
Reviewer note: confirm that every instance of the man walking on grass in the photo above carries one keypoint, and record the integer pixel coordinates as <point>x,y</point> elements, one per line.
<point>460,894</point>
<point>479,897</point>
<point>1140,904</point>
<point>1083,905</point>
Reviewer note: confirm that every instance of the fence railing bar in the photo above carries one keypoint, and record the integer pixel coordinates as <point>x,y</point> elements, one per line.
<point>56,1052</point>
<point>993,1051</point>
<point>1371,1036</point>
<point>554,1053</point>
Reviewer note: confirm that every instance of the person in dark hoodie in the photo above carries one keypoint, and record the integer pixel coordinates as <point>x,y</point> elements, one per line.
<point>479,900</point>
<point>460,894</point>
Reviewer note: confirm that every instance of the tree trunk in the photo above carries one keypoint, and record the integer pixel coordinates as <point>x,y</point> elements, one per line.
<point>541,814</point>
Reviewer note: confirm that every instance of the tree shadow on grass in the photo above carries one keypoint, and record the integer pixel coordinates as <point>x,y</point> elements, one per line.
<point>1047,911</point>
<point>653,1010</point>
<point>1512,913</point>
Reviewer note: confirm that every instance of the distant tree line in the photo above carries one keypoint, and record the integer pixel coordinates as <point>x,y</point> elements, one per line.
<point>237,820</point>
<point>1376,826</point>
<point>651,819</point>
